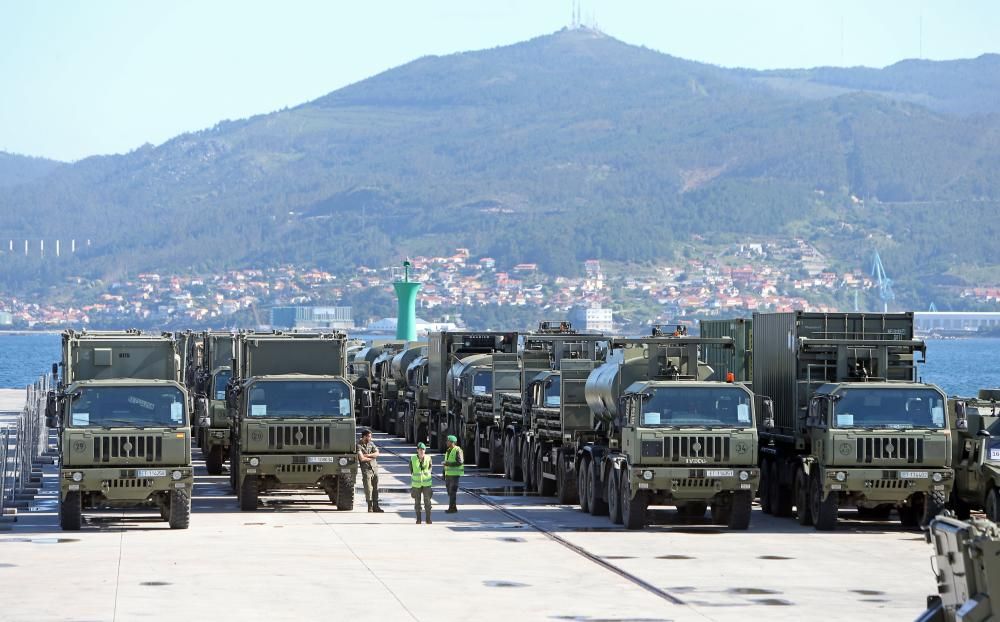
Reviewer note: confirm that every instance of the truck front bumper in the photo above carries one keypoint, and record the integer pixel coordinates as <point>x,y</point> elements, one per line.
<point>298,470</point>
<point>125,484</point>
<point>700,483</point>
<point>215,437</point>
<point>888,485</point>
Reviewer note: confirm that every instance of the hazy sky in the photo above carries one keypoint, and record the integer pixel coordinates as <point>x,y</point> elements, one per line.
<point>79,78</point>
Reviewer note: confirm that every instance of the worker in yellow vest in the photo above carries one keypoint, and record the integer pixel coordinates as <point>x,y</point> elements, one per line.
<point>454,467</point>
<point>420,481</point>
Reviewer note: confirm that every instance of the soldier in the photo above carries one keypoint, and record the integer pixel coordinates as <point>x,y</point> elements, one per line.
<point>368,459</point>
<point>454,467</point>
<point>420,481</point>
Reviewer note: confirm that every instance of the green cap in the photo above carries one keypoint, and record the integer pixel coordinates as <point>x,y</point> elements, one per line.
<point>452,438</point>
<point>421,446</point>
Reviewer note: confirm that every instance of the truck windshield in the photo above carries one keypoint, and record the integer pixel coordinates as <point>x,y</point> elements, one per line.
<point>552,397</point>
<point>889,408</point>
<point>127,407</point>
<point>482,384</point>
<point>219,383</point>
<point>696,406</point>
<point>300,398</point>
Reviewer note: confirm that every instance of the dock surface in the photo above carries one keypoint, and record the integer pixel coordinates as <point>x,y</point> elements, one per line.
<point>506,555</point>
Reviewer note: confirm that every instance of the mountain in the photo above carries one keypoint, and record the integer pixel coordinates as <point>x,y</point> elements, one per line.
<point>17,169</point>
<point>565,147</point>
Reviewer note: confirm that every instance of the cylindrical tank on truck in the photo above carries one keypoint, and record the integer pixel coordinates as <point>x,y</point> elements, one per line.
<point>403,420</point>
<point>853,425</point>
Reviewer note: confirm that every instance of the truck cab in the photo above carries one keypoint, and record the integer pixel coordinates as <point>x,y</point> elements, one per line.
<point>976,454</point>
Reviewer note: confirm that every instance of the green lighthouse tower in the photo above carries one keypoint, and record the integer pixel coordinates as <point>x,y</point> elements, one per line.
<point>406,316</point>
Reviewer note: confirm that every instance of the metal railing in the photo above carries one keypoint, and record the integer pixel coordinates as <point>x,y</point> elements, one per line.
<point>30,439</point>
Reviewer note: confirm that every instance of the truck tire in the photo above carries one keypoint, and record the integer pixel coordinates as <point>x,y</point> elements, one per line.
<point>234,469</point>
<point>179,515</point>
<point>482,457</point>
<point>345,493</point>
<point>249,493</point>
<point>824,511</point>
<point>213,461</point>
<point>525,464</point>
<point>496,462</point>
<point>409,432</point>
<point>598,506</point>
<point>545,486</point>
<point>71,511</point>
<point>517,472</point>
<point>508,463</point>
<point>961,509</point>
<point>614,496</point>
<point>803,508</point>
<point>764,487</point>
<point>582,484</point>
<point>566,488</point>
<point>934,504</point>
<point>635,509</point>
<point>720,511</point>
<point>992,505</point>
<point>740,511</point>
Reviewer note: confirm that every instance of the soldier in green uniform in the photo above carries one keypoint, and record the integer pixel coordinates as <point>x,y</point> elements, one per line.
<point>368,459</point>
<point>454,467</point>
<point>420,481</point>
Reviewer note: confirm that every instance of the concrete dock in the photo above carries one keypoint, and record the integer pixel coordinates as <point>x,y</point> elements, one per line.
<point>505,556</point>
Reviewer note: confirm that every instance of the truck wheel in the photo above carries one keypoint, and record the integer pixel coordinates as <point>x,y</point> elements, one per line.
<point>517,472</point>
<point>496,452</point>
<point>634,509</point>
<point>598,506</point>
<point>566,488</point>
<point>934,503</point>
<point>803,511</point>
<point>179,516</point>
<point>409,433</point>
<point>583,485</point>
<point>482,458</point>
<point>525,465</point>
<point>71,511</point>
<point>249,492</point>
<point>508,463</point>
<point>614,496</point>
<point>234,469</point>
<point>345,493</point>
<point>213,461</point>
<point>740,511</point>
<point>720,511</point>
<point>992,505</point>
<point>545,486</point>
<point>764,488</point>
<point>824,511</point>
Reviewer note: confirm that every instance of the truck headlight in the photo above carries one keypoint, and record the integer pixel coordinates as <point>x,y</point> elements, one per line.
<point>176,475</point>
<point>254,461</point>
<point>744,476</point>
<point>647,475</point>
<point>937,477</point>
<point>343,461</point>
<point>77,476</point>
<point>841,476</point>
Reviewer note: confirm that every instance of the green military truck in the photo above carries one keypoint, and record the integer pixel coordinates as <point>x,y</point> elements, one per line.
<point>448,411</point>
<point>292,413</point>
<point>668,429</point>
<point>211,415</point>
<point>853,426</point>
<point>361,375</point>
<point>386,393</point>
<point>492,388</point>
<point>739,358</point>
<point>967,569</point>
<point>400,365</point>
<point>122,415</point>
<point>976,454</point>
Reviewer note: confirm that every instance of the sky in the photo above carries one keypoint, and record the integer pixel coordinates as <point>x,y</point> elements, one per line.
<point>81,78</point>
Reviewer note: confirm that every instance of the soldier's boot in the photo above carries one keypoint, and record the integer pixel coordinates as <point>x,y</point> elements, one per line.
<point>429,521</point>
<point>370,507</point>
<point>376,508</point>
<point>418,518</point>
<point>451,509</point>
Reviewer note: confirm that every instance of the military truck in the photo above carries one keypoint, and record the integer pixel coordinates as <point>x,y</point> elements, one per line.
<point>365,385</point>
<point>387,394</point>
<point>399,366</point>
<point>967,569</point>
<point>447,411</point>
<point>976,454</point>
<point>667,429</point>
<point>739,358</point>
<point>853,425</point>
<point>292,413</point>
<point>124,439</point>
<point>416,405</point>
<point>492,387</point>
<point>211,413</point>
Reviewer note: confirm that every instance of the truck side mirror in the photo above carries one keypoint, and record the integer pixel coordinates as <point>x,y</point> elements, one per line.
<point>51,413</point>
<point>367,399</point>
<point>203,416</point>
<point>768,405</point>
<point>984,433</point>
<point>55,370</point>
<point>961,418</point>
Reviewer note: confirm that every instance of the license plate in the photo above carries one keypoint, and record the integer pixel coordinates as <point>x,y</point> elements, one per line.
<point>320,459</point>
<point>913,474</point>
<point>151,473</point>
<point>728,473</point>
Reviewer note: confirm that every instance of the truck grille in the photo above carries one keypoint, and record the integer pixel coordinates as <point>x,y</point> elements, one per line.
<point>891,448</point>
<point>694,482</point>
<point>893,484</point>
<point>299,468</point>
<point>709,448</point>
<point>108,448</point>
<point>282,436</point>
<point>130,483</point>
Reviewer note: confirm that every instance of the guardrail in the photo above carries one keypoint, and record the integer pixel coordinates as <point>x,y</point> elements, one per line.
<point>21,464</point>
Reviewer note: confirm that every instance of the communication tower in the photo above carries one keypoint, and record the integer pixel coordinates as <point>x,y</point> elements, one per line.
<point>406,295</point>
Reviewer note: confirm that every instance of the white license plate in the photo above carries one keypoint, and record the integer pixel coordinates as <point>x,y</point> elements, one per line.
<point>728,473</point>
<point>913,474</point>
<point>151,473</point>
<point>320,459</point>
